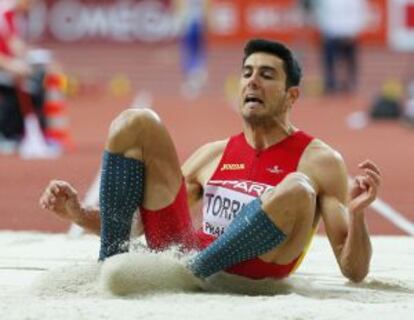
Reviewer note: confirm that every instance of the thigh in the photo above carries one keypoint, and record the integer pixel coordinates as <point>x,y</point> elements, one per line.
<point>140,134</point>
<point>291,206</point>
<point>163,176</point>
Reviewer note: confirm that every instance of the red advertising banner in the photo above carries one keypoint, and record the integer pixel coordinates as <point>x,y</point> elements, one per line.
<point>236,21</point>
<point>229,21</point>
<point>123,21</point>
<point>409,15</point>
<point>376,30</point>
<point>401,25</point>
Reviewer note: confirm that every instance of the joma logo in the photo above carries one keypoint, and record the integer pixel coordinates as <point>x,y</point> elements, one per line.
<point>232,166</point>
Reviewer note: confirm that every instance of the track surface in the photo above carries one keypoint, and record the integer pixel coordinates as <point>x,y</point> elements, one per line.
<point>193,123</point>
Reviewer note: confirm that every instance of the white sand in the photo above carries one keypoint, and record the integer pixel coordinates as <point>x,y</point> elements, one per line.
<point>56,277</point>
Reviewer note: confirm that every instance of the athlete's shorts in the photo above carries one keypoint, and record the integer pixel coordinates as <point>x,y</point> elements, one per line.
<point>253,268</point>
<point>172,225</point>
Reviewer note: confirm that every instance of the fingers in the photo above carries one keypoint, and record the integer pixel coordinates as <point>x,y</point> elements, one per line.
<point>376,178</point>
<point>369,165</point>
<point>372,186</point>
<point>58,187</point>
<point>371,170</point>
<point>48,200</point>
<point>368,184</point>
<point>56,190</point>
<point>360,182</point>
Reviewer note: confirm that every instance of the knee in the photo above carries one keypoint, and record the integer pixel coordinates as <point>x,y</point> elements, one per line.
<point>296,189</point>
<point>301,188</point>
<point>133,120</point>
<point>130,128</point>
<point>292,201</point>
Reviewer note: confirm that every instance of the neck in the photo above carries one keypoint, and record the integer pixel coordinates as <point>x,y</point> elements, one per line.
<point>261,137</point>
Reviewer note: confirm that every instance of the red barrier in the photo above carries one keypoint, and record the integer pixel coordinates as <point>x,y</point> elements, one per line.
<point>152,21</point>
<point>236,21</point>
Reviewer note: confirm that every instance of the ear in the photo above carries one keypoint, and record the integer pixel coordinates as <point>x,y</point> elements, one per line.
<point>293,94</point>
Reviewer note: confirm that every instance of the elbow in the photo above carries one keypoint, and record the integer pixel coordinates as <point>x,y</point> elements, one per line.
<point>356,267</point>
<point>355,275</point>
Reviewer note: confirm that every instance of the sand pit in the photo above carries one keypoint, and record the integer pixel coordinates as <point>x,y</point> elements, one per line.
<point>53,276</point>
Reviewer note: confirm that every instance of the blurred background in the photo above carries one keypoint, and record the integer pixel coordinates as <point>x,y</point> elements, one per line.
<point>67,67</point>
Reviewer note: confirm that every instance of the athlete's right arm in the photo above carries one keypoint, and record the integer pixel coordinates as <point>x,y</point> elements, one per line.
<point>62,199</point>
<point>199,168</point>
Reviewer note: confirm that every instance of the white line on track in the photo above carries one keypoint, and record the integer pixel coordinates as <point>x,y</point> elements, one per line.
<point>392,215</point>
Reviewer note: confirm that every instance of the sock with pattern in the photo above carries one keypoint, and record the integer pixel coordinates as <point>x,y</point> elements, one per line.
<point>121,193</point>
<point>250,234</point>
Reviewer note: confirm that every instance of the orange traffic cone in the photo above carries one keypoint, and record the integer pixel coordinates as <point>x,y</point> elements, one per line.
<point>55,110</point>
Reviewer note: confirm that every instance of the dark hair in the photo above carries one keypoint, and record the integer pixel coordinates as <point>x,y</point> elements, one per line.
<point>290,64</point>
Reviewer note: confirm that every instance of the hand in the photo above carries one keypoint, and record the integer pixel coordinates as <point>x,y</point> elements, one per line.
<point>364,189</point>
<point>19,68</point>
<point>61,198</point>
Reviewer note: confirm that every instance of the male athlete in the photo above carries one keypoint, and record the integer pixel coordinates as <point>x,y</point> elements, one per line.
<point>264,190</point>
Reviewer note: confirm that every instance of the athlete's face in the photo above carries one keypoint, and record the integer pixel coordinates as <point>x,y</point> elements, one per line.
<point>263,93</point>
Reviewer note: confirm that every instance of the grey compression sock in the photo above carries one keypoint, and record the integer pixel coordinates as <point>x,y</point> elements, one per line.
<point>121,192</point>
<point>250,234</point>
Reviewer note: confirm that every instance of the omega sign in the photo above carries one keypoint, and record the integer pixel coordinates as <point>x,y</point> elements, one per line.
<point>121,21</point>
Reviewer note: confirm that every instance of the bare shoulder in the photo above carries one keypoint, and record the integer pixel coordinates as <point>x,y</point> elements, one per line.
<point>213,148</point>
<point>208,151</point>
<point>203,156</point>
<point>325,166</point>
<point>320,153</point>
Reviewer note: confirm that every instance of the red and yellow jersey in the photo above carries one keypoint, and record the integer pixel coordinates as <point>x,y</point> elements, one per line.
<point>8,29</point>
<point>243,175</point>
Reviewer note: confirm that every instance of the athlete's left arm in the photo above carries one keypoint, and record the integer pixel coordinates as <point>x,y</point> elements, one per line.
<point>342,209</point>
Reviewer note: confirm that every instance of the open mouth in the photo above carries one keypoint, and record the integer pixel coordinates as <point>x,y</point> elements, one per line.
<point>252,101</point>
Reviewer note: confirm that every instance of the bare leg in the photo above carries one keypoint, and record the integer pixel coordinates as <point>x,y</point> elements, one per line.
<point>138,148</point>
<point>291,206</point>
<point>282,219</point>
<point>140,134</point>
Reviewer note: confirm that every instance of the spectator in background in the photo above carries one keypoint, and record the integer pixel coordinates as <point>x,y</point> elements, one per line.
<point>13,69</point>
<point>409,104</point>
<point>192,21</point>
<point>22,90</point>
<point>21,75</point>
<point>340,23</point>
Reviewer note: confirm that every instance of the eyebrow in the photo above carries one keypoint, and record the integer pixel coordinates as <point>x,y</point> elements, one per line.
<point>261,68</point>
